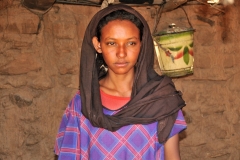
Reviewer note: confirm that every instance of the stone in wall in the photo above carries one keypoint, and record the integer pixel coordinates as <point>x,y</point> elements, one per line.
<point>21,64</point>
<point>5,3</point>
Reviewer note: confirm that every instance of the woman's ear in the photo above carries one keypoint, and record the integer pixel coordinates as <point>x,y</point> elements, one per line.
<point>96,44</point>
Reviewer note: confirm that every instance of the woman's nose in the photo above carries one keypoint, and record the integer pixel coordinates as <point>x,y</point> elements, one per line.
<point>121,52</point>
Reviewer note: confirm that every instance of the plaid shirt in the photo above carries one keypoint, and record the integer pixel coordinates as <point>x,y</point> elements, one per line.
<point>78,139</point>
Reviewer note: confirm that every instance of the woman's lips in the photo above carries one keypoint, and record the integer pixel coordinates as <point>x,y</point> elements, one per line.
<point>121,64</point>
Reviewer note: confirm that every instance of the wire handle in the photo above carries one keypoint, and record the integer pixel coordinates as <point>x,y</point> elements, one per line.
<point>159,13</point>
<point>186,16</point>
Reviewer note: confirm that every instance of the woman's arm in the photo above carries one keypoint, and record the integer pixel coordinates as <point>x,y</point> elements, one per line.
<point>171,150</point>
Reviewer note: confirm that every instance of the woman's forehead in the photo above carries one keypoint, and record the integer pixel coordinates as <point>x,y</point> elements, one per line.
<point>120,29</point>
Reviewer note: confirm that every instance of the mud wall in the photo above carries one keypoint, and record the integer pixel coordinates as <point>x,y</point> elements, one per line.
<point>39,74</point>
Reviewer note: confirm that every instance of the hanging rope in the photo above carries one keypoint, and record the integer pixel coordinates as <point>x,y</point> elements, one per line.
<point>186,16</point>
<point>157,19</point>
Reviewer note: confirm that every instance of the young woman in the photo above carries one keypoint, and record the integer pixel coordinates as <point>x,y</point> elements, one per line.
<point>124,110</point>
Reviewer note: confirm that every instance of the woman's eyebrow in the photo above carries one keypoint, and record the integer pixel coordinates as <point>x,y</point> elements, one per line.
<point>111,38</point>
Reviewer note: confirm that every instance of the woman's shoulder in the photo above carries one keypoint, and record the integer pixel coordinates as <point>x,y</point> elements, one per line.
<point>76,96</point>
<point>75,103</point>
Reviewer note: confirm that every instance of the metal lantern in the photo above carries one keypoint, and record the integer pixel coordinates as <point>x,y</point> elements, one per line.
<point>174,49</point>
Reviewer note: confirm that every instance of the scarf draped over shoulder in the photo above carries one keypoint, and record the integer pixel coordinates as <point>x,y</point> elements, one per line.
<point>154,97</point>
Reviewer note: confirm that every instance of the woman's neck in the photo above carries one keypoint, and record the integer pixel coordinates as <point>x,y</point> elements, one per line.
<point>117,85</point>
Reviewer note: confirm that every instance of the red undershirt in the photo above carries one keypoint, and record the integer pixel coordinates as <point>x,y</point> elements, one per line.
<point>113,102</point>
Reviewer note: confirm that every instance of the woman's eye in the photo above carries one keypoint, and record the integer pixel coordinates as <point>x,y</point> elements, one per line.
<point>131,43</point>
<point>110,43</point>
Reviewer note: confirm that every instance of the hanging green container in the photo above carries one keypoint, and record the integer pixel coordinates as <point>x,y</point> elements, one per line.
<point>174,49</point>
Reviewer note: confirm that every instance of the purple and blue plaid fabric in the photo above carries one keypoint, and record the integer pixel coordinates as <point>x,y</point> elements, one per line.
<point>77,139</point>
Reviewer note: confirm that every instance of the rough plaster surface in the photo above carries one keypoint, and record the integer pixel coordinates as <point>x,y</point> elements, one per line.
<point>39,68</point>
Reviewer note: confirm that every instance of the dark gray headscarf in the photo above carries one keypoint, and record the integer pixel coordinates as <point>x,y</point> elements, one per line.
<point>154,98</point>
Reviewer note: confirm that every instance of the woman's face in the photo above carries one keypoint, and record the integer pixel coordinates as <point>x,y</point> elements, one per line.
<point>119,45</point>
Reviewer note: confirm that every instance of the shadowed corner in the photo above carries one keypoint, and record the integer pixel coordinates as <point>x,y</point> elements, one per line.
<point>183,134</point>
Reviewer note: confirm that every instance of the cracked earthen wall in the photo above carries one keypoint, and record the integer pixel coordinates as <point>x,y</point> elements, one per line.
<point>39,68</point>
